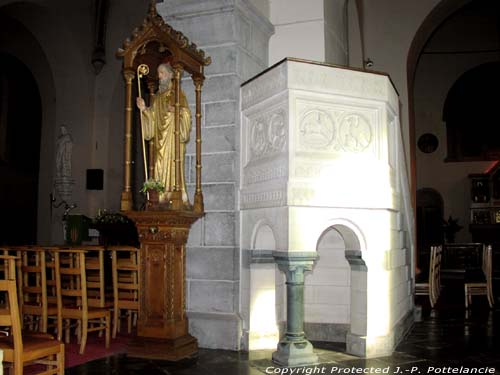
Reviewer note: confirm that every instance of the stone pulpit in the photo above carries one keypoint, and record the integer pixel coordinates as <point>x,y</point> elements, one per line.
<point>322,151</point>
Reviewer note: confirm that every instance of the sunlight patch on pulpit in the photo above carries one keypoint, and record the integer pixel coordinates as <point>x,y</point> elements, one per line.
<point>264,332</point>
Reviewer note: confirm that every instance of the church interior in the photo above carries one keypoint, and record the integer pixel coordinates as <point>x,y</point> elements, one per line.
<point>331,194</point>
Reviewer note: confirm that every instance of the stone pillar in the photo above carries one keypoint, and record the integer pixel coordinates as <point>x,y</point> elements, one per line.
<point>235,36</point>
<point>294,349</point>
<point>311,30</point>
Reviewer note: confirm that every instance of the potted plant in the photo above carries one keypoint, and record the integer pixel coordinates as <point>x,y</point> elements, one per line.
<point>153,188</point>
<point>450,228</point>
<point>115,229</point>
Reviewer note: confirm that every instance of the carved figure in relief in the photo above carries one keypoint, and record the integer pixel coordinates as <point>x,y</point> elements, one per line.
<point>317,129</point>
<point>355,133</point>
<point>159,126</point>
<point>277,132</point>
<point>258,139</point>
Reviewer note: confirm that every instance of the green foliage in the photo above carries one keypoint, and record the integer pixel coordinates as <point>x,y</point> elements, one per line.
<point>153,185</point>
<point>105,217</point>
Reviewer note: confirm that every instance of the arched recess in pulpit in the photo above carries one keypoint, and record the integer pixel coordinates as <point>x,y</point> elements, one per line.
<point>155,58</point>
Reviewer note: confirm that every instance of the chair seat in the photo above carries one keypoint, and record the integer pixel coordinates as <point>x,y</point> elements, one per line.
<point>29,308</point>
<point>31,344</point>
<point>77,312</point>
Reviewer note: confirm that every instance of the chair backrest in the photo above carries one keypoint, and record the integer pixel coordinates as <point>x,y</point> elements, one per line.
<point>9,316</point>
<point>432,265</point>
<point>71,279</point>
<point>95,275</point>
<point>33,278</point>
<point>462,256</point>
<point>125,269</point>
<point>487,263</point>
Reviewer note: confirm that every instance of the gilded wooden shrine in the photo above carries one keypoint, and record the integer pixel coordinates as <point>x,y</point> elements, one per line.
<point>164,225</point>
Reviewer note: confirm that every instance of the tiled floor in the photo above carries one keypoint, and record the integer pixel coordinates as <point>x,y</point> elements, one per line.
<point>445,341</point>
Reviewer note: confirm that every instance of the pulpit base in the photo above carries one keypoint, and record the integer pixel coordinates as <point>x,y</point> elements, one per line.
<point>163,349</point>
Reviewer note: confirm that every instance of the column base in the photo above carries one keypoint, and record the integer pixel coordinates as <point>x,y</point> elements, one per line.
<point>163,349</point>
<point>295,353</point>
<point>126,201</point>
<point>375,346</point>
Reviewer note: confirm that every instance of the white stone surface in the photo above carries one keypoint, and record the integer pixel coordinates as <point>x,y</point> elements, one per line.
<point>320,150</point>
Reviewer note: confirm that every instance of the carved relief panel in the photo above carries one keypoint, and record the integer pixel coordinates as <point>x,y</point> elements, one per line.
<point>267,134</point>
<point>336,129</point>
<point>265,150</point>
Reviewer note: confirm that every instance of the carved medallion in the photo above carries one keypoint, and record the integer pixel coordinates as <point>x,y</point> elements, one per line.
<point>355,133</point>
<point>316,129</point>
<point>267,134</point>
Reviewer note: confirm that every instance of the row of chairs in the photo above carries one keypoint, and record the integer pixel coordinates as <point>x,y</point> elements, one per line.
<point>65,288</point>
<point>18,348</point>
<point>476,283</point>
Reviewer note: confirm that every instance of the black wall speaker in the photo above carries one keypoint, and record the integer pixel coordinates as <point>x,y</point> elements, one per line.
<point>95,179</point>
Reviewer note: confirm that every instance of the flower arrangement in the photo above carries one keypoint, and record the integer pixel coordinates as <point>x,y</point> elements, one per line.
<point>115,229</point>
<point>105,217</point>
<point>153,185</point>
<point>450,228</point>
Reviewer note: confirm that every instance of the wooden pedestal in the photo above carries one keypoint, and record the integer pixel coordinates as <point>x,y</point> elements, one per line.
<point>162,328</point>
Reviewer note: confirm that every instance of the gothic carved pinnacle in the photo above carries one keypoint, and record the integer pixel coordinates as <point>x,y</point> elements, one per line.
<point>155,21</point>
<point>152,8</point>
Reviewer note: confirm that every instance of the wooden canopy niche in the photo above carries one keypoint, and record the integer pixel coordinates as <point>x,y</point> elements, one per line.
<point>163,229</point>
<point>153,43</point>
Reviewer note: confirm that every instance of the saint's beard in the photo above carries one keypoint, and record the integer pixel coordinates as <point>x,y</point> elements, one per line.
<point>164,85</point>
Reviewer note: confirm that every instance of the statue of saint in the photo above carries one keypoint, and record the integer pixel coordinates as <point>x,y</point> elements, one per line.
<point>158,122</point>
<point>64,148</point>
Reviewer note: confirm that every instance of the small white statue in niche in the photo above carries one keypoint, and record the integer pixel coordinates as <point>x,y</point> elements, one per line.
<point>64,149</point>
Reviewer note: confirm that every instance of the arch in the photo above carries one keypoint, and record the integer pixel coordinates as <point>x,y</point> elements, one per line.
<point>336,292</point>
<point>263,237</point>
<point>20,127</point>
<point>65,82</point>
<point>469,109</point>
<point>30,54</point>
<point>430,24</point>
<point>350,232</point>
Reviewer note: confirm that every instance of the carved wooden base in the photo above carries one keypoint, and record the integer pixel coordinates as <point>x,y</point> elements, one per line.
<point>162,327</point>
<point>167,350</point>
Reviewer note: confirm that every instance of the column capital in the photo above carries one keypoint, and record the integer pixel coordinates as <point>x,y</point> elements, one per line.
<point>294,264</point>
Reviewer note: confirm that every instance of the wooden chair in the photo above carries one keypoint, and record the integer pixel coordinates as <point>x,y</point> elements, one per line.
<point>95,271</point>
<point>482,287</point>
<point>432,287</point>
<point>22,351</point>
<point>125,269</point>
<point>34,304</point>
<point>73,299</point>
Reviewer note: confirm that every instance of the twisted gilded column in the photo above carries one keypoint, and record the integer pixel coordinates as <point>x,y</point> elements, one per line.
<point>198,196</point>
<point>126,202</point>
<point>176,196</point>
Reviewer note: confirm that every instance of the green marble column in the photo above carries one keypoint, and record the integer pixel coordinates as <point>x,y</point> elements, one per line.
<point>294,349</point>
